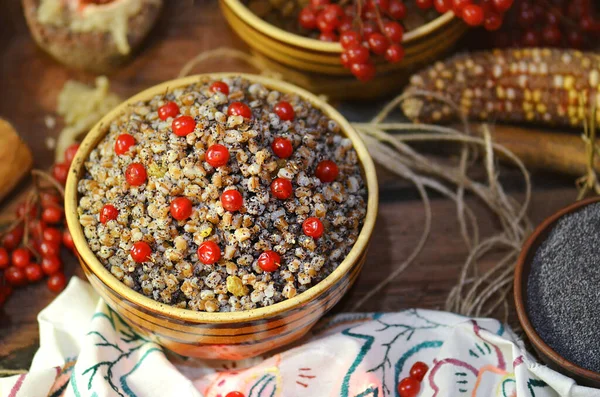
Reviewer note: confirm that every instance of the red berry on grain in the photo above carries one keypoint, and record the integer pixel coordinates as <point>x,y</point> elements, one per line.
<point>4,258</point>
<point>49,249</point>
<point>52,235</point>
<point>232,200</point>
<point>141,252</point>
<point>60,172</point>
<point>123,143</point>
<point>282,147</point>
<point>217,155</point>
<point>57,282</point>
<point>363,71</point>
<point>70,153</point>
<point>239,109</point>
<point>21,257</point>
<point>51,265</point>
<point>108,213</point>
<point>15,276</point>
<point>282,188</point>
<point>395,53</point>
<point>219,86</point>
<point>136,174</point>
<point>313,227</point>
<point>67,239</point>
<point>169,109</point>
<point>181,208</point>
<point>397,9</point>
<point>307,18</point>
<point>209,252</point>
<point>393,31</point>
<point>52,215</point>
<point>285,111</point>
<point>183,125</point>
<point>327,171</point>
<point>33,272</point>
<point>269,261</point>
<point>235,394</point>
<point>418,370</point>
<point>409,387</point>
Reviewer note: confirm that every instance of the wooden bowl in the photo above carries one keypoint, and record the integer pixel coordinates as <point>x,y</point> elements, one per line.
<point>234,335</point>
<point>581,375</point>
<point>315,65</point>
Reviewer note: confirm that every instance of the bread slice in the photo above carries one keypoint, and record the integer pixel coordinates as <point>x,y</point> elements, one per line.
<point>93,51</point>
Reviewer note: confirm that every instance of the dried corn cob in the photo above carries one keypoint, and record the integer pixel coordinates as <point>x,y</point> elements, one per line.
<point>543,86</point>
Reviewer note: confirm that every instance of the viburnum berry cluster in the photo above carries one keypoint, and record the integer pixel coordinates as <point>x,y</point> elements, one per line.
<point>367,28</point>
<point>550,23</point>
<point>30,245</point>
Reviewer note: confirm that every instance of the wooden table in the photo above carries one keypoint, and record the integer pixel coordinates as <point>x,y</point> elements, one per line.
<point>30,82</point>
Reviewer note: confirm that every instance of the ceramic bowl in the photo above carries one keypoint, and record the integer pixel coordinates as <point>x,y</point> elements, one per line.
<point>522,270</point>
<point>235,335</point>
<point>315,65</point>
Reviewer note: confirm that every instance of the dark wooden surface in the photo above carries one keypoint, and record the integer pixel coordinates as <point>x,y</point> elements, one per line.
<point>30,82</point>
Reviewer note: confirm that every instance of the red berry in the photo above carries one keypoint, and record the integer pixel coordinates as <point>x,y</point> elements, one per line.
<point>60,172</point>
<point>232,200</point>
<point>269,261</point>
<point>418,370</point>
<point>51,265</point>
<point>383,5</point>
<point>397,9</point>
<point>473,15</point>
<point>67,239</point>
<point>527,18</point>
<point>551,35</point>
<point>169,109</point>
<point>282,188</point>
<point>459,5</point>
<point>358,54</point>
<point>349,38</point>
<point>123,143</point>
<point>575,39</point>
<point>393,31</point>
<point>493,21</point>
<point>48,199</point>
<point>235,394</point>
<point>345,59</point>
<point>52,215</point>
<point>282,147</point>
<point>181,208</point>
<point>369,28</point>
<point>219,86</point>
<point>135,174</point>
<point>319,3</point>
<point>33,272</point>
<point>346,24</point>
<point>141,252</point>
<point>333,14</point>
<point>70,153</point>
<point>323,24</point>
<point>308,18</point>
<point>183,125</point>
<point>442,6</point>
<point>239,109</point>
<point>328,37</point>
<point>21,257</point>
<point>313,227</point>
<point>108,213</point>
<point>24,209</point>
<point>394,53</point>
<point>209,252</point>
<point>285,111</point>
<point>4,258</point>
<point>57,282</point>
<point>52,235</point>
<point>502,5</point>
<point>15,276</point>
<point>217,155</point>
<point>49,249</point>
<point>327,171</point>
<point>36,228</point>
<point>13,238</point>
<point>363,71</point>
<point>530,38</point>
<point>409,387</point>
<point>424,4</point>
<point>378,43</point>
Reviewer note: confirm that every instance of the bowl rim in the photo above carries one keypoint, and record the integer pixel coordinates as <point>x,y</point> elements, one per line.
<point>100,130</point>
<point>300,41</point>
<point>519,288</point>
